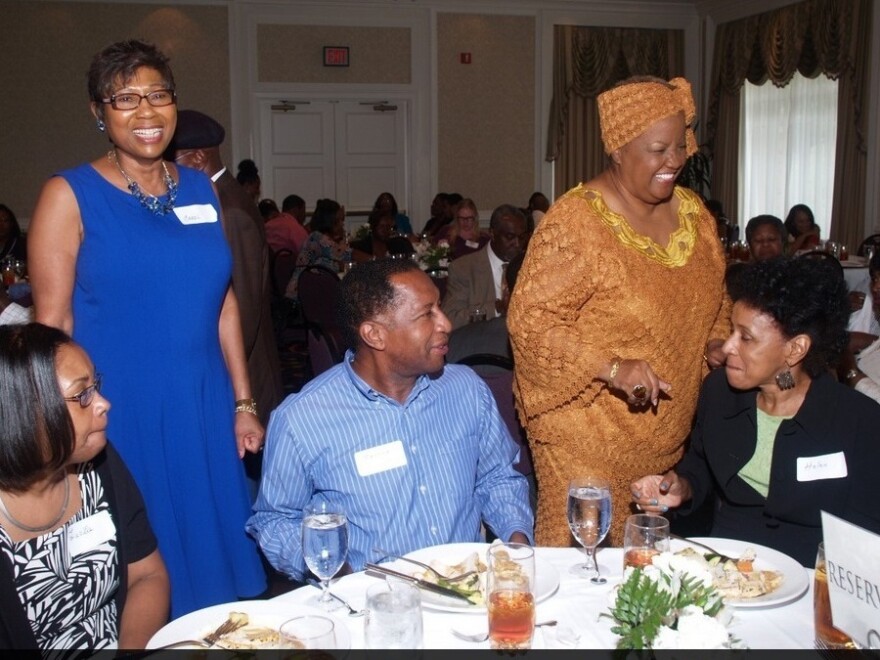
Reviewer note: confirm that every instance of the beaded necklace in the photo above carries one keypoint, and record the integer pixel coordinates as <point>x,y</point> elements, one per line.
<point>39,528</point>
<point>149,202</point>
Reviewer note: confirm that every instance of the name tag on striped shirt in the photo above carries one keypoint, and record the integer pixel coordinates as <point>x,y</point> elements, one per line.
<point>380,459</point>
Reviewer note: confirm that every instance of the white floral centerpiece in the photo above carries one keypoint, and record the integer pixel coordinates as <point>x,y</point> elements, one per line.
<point>670,604</point>
<point>430,256</point>
<point>360,233</point>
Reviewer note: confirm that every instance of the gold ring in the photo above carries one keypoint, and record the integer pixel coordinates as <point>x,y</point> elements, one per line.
<point>639,391</point>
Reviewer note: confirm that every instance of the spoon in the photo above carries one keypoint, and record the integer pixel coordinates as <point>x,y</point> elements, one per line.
<point>482,637</point>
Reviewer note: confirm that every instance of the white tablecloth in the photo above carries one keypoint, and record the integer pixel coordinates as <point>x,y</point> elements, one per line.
<point>576,606</point>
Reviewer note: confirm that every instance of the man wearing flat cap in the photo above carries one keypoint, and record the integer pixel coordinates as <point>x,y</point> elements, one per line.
<point>196,144</point>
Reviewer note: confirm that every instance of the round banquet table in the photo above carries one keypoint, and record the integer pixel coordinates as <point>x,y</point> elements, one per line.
<point>576,606</point>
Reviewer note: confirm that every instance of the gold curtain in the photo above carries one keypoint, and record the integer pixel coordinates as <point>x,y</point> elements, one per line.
<point>813,37</point>
<point>586,62</point>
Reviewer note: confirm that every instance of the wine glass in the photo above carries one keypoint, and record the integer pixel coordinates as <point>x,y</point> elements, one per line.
<point>589,518</point>
<point>324,544</point>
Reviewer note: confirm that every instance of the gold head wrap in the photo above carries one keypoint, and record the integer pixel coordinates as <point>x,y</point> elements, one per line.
<point>626,111</point>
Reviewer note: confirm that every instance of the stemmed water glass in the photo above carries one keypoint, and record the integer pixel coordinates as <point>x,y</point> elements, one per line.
<point>589,518</point>
<point>324,544</point>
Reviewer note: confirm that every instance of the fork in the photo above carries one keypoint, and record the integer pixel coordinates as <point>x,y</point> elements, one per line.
<point>723,558</point>
<point>351,610</point>
<point>482,637</point>
<point>209,640</point>
<point>457,578</point>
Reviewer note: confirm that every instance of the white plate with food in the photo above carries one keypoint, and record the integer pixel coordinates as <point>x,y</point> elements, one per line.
<point>261,631</point>
<point>774,579</point>
<point>451,555</point>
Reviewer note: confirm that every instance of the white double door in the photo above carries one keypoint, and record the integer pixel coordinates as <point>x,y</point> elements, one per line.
<point>347,150</point>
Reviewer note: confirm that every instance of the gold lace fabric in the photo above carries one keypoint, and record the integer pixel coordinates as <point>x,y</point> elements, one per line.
<point>681,241</point>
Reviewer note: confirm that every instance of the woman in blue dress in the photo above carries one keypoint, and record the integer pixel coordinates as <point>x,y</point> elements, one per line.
<point>127,254</point>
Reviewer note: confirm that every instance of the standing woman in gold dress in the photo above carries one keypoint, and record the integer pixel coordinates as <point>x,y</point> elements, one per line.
<point>618,309</point>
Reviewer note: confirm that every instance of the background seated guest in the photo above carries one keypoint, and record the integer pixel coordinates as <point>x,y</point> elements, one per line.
<point>249,178</point>
<point>803,232</point>
<point>385,203</point>
<point>860,366</point>
<point>295,206</point>
<point>11,312</point>
<point>415,453</point>
<point>538,206</point>
<point>772,407</point>
<point>475,279</point>
<point>325,246</point>
<point>285,230</point>
<point>766,237</point>
<point>380,242</point>
<point>12,243</point>
<point>463,234</point>
<point>79,564</point>
<point>489,336</point>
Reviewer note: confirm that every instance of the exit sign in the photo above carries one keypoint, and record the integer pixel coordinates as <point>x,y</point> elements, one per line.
<point>335,55</point>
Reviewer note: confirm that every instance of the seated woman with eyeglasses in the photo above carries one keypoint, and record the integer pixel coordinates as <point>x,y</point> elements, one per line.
<point>79,564</point>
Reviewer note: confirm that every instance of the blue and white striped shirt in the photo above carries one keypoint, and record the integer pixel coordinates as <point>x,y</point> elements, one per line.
<point>458,467</point>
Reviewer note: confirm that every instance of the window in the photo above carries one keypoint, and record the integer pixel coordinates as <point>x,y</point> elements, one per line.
<point>787,144</point>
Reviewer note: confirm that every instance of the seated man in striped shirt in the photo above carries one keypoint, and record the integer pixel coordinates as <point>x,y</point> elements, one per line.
<point>415,453</point>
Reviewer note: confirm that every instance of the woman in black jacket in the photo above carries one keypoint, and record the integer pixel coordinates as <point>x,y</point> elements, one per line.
<point>777,438</point>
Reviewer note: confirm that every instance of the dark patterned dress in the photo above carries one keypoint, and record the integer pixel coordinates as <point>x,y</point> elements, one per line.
<point>69,600</point>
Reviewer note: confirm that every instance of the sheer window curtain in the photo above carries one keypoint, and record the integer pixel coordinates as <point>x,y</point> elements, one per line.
<point>788,139</point>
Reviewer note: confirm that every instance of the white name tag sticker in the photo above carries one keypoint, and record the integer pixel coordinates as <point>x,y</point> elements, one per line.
<point>89,533</point>
<point>196,214</point>
<point>829,466</point>
<point>380,459</point>
<point>473,245</point>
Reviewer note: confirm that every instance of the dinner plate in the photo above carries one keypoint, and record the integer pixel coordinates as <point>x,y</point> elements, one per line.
<point>264,613</point>
<point>854,262</point>
<point>795,579</point>
<point>546,576</point>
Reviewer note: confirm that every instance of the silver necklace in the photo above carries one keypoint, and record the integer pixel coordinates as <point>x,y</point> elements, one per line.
<point>41,528</point>
<point>149,202</point>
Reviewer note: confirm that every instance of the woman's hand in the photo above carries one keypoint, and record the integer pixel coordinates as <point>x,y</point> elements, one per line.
<point>637,380</point>
<point>715,356</point>
<point>658,493</point>
<point>248,433</point>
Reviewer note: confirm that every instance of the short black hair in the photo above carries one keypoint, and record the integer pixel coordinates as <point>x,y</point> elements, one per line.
<point>268,208</point>
<point>292,202</point>
<point>803,296</point>
<point>760,221</point>
<point>504,211</point>
<point>37,435</point>
<point>367,292</point>
<point>119,62</point>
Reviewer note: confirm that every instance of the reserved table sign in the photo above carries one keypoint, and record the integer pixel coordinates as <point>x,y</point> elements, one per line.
<point>853,579</point>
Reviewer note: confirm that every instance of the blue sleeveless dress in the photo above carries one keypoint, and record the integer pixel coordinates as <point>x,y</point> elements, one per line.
<point>146,307</point>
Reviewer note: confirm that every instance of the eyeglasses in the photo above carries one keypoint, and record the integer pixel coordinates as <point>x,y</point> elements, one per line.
<point>466,218</point>
<point>132,100</point>
<point>86,397</point>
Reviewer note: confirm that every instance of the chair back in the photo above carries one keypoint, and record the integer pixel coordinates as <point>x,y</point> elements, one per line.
<point>821,254</point>
<point>874,240</point>
<point>318,291</point>
<point>283,265</point>
<point>320,353</point>
<point>501,385</point>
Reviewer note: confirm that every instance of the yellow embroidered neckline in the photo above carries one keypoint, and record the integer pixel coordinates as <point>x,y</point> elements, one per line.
<point>681,241</point>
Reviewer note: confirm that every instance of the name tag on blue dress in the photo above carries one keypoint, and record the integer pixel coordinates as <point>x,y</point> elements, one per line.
<point>196,214</point>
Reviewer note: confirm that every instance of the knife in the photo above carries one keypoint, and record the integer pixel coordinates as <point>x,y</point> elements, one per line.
<point>421,584</point>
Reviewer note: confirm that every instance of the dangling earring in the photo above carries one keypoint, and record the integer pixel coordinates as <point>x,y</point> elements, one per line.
<point>784,379</point>
<point>101,125</point>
